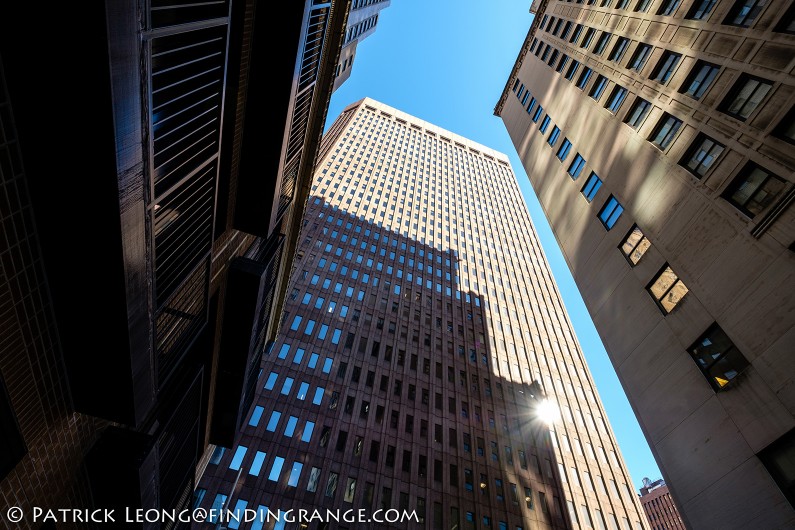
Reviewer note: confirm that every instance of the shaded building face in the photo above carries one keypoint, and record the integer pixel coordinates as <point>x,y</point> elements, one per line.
<point>658,138</point>
<point>422,332</point>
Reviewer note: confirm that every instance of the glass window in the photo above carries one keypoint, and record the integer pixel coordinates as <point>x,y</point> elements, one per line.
<point>602,43</point>
<point>318,396</point>
<point>576,166</point>
<point>753,190</point>
<point>575,65</point>
<point>544,124</point>
<point>640,56</point>
<point>667,289</point>
<point>699,79</point>
<point>637,114</point>
<point>563,150</point>
<point>255,416</point>
<point>273,421</point>
<point>665,131</point>
<point>617,53</point>
<point>701,155</point>
<point>289,429</point>
<point>744,12</point>
<point>285,349</point>
<point>295,474</point>
<point>665,67</point>
<point>553,136</point>
<point>718,358</point>
<point>598,87</point>
<point>237,459</point>
<point>295,324</point>
<point>584,77</point>
<point>617,97</point>
<point>287,386</point>
<point>215,509</point>
<point>276,469</point>
<point>302,391</point>
<point>635,245</point>
<point>306,435</point>
<point>591,186</point>
<point>745,96</point>
<point>610,212</point>
<point>314,478</point>
<point>700,9</point>
<point>256,465</point>
<point>667,7</point>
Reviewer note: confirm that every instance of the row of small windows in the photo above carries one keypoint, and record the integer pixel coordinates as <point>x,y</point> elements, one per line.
<point>612,209</point>
<point>743,13</point>
<point>745,96</point>
<point>356,30</point>
<point>755,188</point>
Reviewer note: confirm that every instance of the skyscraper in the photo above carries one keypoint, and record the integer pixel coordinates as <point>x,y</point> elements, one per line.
<point>658,138</point>
<point>362,22</point>
<point>149,209</point>
<point>422,339</point>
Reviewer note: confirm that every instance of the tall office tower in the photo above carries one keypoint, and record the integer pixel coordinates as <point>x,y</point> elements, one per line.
<point>659,506</point>
<point>422,331</point>
<point>136,306</point>
<point>658,136</point>
<point>362,21</point>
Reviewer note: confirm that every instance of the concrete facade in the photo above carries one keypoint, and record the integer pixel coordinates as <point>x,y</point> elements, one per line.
<point>422,330</point>
<point>658,138</point>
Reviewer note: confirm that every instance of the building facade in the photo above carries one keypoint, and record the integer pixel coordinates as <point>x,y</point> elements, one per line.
<point>422,337</point>
<point>362,22</point>
<point>659,506</point>
<point>150,213</point>
<point>658,136</point>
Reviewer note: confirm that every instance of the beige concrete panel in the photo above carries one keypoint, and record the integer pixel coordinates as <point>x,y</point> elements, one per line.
<point>600,273</point>
<point>764,306</point>
<point>756,410</point>
<point>745,49</point>
<point>648,362</point>
<point>774,56</point>
<point>702,40</point>
<point>684,36</point>
<point>703,447</point>
<point>777,366</point>
<point>735,267</point>
<point>756,504</point>
<point>722,44</point>
<point>663,410</point>
<point>578,236</point>
<point>698,239</point>
<point>625,319</point>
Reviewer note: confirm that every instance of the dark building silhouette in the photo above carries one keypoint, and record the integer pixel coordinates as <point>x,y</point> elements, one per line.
<point>155,160</point>
<point>421,334</point>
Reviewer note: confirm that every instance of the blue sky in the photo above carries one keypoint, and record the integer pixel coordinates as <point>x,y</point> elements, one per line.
<point>446,62</point>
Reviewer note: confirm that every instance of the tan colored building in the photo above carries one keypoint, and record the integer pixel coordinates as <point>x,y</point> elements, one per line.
<point>659,506</point>
<point>658,136</point>
<point>421,328</point>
